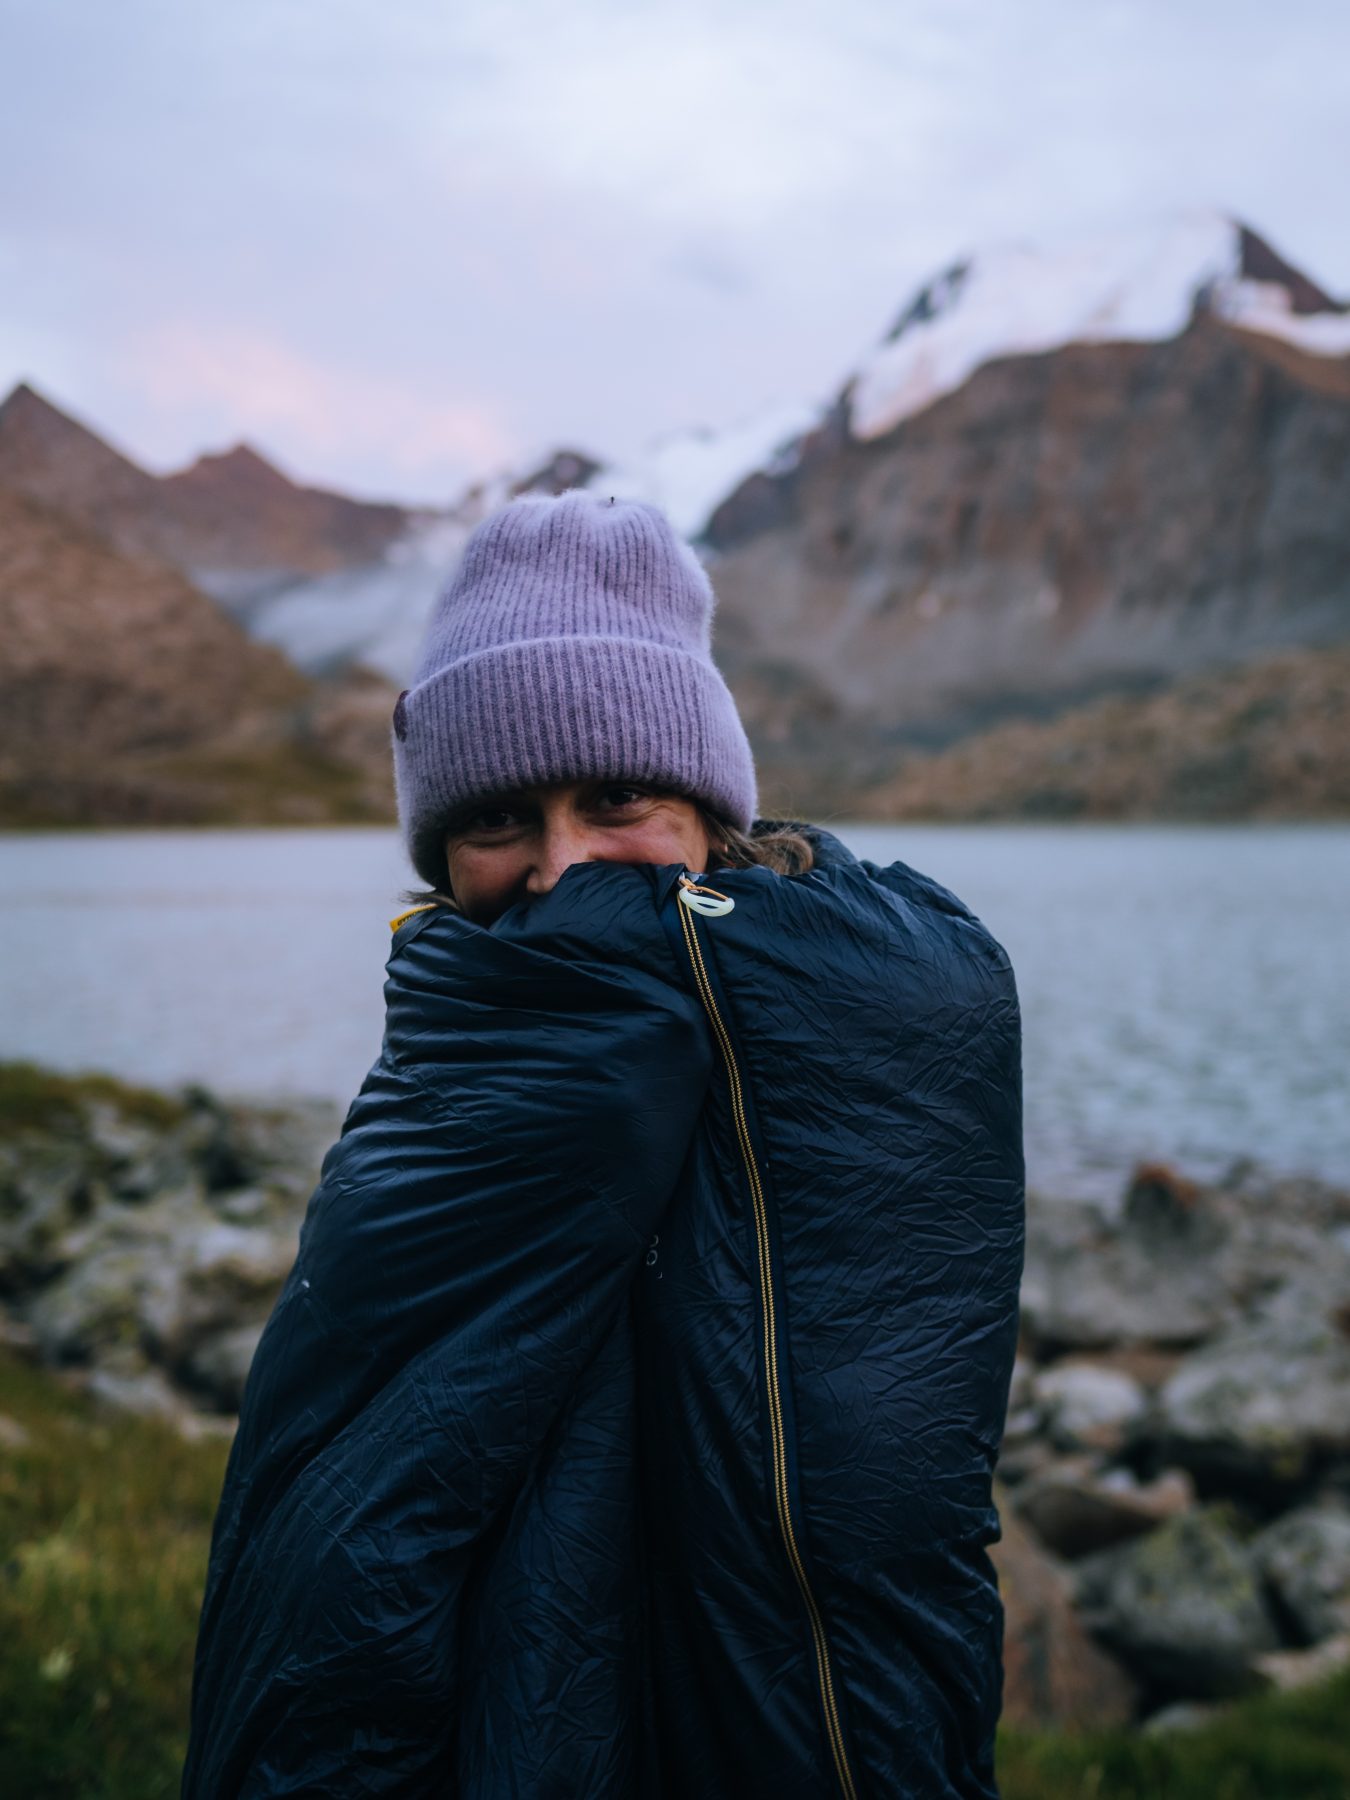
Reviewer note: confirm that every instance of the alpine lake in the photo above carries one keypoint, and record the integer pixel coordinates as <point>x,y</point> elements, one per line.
<point>1185,989</point>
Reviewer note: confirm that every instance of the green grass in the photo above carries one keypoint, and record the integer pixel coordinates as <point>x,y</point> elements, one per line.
<point>104,1528</point>
<point>38,1098</point>
<point>1278,1747</point>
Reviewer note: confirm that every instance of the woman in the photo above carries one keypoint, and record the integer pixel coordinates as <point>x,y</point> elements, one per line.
<point>626,1426</point>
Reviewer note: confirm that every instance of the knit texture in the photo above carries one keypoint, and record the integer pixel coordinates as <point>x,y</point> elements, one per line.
<point>573,643</point>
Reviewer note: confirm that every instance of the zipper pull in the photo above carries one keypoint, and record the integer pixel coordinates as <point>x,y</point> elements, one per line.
<point>704,900</point>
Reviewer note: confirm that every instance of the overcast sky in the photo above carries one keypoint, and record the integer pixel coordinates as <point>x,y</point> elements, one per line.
<point>400,245</point>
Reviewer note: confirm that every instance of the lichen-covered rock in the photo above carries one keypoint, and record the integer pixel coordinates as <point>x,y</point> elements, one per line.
<point>1181,1716</point>
<point>280,1148</point>
<point>1179,1262</point>
<point>1305,1560</point>
<point>136,1159</point>
<point>1075,1508</point>
<point>1289,1670</point>
<point>144,1236</point>
<point>146,1391</point>
<point>161,1276</point>
<point>1260,1407</point>
<point>1086,1407</point>
<point>1182,1607</point>
<point>48,1186</point>
<point>1054,1675</point>
<point>1021,1388</point>
<point>1092,1281</point>
<point>102,1301</point>
<point>13,1435</point>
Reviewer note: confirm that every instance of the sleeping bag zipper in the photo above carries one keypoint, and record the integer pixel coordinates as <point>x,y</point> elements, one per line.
<point>707,902</point>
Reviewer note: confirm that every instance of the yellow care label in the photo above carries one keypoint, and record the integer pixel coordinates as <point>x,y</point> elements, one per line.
<point>403,917</point>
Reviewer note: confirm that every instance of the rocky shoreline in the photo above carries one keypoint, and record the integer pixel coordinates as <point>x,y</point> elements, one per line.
<point>1176,1462</point>
<point>144,1237</point>
<point>1175,1473</point>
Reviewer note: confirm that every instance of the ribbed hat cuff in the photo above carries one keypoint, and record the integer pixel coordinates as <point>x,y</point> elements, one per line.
<point>608,709</point>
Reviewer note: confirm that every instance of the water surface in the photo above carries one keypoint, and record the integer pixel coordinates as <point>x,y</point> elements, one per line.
<point>1185,991</point>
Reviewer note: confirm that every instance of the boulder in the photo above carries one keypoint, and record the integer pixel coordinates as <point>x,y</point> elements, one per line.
<point>103,1300</point>
<point>1262,1407</point>
<point>225,1276</point>
<point>1087,1407</point>
<point>146,1392</point>
<point>1023,1457</point>
<point>1289,1670</point>
<point>1021,1426</point>
<point>1053,1674</point>
<point>145,1238</point>
<point>1181,1716</point>
<point>1075,1509</point>
<point>13,1435</point>
<point>1167,1215</point>
<point>1091,1281</point>
<point>160,1276</point>
<point>128,1386</point>
<point>1022,1386</point>
<point>220,1365</point>
<point>48,1187</point>
<point>245,1205</point>
<point>1177,1262</point>
<point>282,1147</point>
<point>137,1159</point>
<point>1304,1559</point>
<point>1182,1607</point>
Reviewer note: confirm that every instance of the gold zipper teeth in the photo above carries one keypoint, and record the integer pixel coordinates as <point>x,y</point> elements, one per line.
<point>776,1428</point>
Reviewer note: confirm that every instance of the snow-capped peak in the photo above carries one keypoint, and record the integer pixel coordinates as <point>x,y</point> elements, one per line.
<point>689,472</point>
<point>1140,285</point>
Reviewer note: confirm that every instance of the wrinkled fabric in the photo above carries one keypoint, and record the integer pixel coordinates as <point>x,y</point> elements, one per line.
<point>626,1426</point>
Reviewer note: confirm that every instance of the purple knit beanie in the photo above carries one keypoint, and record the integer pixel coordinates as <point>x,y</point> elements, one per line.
<point>574,642</point>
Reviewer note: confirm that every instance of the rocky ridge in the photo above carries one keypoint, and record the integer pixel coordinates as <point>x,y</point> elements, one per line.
<point>1175,1474</point>
<point>1268,740</point>
<point>1102,519</point>
<point>128,696</point>
<point>232,514</point>
<point>1071,540</point>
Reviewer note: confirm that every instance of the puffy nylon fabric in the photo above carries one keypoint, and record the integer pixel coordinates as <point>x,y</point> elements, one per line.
<point>503,1516</point>
<point>877,1025</point>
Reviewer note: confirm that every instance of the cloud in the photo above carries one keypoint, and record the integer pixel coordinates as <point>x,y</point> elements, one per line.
<point>254,386</point>
<point>400,241</point>
<point>711,264</point>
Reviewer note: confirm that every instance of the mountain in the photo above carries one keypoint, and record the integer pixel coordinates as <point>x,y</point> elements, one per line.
<point>689,473</point>
<point>236,511</point>
<point>1071,498</point>
<point>1141,285</point>
<point>127,695</point>
<point>1267,740</point>
<point>51,458</point>
<point>1050,482</point>
<point>231,521</point>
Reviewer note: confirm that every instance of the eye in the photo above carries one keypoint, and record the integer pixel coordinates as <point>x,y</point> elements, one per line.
<point>618,795</point>
<point>488,821</point>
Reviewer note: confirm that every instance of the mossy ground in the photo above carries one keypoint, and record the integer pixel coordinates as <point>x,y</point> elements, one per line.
<point>40,1100</point>
<point>1278,1747</point>
<point>104,1529</point>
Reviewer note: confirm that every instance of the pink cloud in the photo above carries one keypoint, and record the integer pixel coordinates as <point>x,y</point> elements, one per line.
<point>250,384</point>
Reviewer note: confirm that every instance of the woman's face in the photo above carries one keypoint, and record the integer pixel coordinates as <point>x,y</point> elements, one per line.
<point>515,846</point>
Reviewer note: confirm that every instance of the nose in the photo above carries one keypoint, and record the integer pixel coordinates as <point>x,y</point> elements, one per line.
<point>560,844</point>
